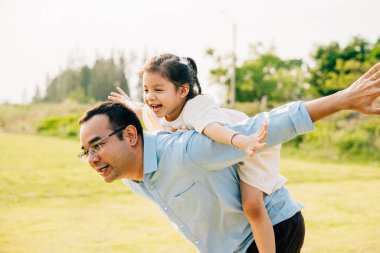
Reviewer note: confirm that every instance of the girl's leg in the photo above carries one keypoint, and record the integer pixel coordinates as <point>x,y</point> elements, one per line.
<point>289,235</point>
<point>254,209</point>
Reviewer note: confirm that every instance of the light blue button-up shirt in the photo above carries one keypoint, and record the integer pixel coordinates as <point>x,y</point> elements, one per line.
<point>193,180</point>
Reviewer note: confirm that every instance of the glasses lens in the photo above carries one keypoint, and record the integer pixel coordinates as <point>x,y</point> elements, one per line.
<point>94,150</point>
<point>83,156</point>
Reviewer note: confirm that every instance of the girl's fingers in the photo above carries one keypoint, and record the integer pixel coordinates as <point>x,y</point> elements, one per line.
<point>115,99</point>
<point>264,128</point>
<point>262,135</point>
<point>257,146</point>
<point>252,150</point>
<point>121,91</point>
<point>261,146</point>
<point>114,94</point>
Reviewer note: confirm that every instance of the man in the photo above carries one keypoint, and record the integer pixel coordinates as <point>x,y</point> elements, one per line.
<point>193,179</point>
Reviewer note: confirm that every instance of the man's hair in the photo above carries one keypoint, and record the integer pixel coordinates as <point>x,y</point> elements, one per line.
<point>118,115</point>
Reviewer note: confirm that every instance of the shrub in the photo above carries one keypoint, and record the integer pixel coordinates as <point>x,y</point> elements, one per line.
<point>62,126</point>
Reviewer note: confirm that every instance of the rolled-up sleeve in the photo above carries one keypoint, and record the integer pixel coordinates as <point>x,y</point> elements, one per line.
<point>284,123</point>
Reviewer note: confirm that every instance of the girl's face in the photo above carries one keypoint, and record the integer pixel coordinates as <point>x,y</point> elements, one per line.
<point>162,96</point>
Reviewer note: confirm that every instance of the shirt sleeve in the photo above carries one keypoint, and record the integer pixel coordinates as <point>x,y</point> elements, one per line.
<point>284,123</point>
<point>201,111</point>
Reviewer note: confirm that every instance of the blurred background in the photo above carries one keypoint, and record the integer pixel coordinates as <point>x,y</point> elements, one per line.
<point>57,58</point>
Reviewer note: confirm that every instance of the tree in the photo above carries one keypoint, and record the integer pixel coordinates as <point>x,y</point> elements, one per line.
<point>87,84</point>
<point>37,95</point>
<point>264,75</point>
<point>335,67</point>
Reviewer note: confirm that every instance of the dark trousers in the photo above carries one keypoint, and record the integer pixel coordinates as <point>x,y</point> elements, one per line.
<point>289,235</point>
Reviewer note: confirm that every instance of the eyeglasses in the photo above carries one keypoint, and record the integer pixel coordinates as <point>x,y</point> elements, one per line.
<point>96,148</point>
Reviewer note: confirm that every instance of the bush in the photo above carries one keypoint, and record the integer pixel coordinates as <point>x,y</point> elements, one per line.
<point>345,137</point>
<point>61,126</point>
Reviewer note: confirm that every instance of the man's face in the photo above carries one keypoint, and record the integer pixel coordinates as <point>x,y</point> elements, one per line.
<point>111,158</point>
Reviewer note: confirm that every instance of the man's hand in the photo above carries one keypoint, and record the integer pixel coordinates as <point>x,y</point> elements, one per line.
<point>359,96</point>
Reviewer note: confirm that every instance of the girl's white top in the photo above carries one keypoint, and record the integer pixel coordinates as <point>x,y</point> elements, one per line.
<point>261,171</point>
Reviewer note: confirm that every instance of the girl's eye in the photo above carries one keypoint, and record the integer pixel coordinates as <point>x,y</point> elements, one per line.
<point>158,89</point>
<point>145,91</point>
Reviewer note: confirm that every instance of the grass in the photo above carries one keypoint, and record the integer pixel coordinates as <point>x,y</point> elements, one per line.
<point>50,202</point>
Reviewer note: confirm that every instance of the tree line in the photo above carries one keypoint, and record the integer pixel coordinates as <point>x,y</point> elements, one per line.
<point>86,84</point>
<point>263,75</point>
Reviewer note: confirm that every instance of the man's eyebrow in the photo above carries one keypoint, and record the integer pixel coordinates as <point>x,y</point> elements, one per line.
<point>93,140</point>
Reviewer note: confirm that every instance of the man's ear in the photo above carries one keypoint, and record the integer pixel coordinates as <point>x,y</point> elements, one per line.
<point>130,135</point>
<point>184,90</point>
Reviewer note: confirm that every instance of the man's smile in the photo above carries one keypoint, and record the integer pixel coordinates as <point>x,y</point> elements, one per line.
<point>104,171</point>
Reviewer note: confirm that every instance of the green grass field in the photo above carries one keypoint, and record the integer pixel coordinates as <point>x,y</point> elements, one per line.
<point>51,202</point>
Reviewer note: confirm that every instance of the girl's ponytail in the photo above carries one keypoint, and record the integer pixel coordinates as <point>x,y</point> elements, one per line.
<point>193,66</point>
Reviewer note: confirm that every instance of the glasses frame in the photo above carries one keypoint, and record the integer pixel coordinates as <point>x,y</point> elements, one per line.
<point>85,153</point>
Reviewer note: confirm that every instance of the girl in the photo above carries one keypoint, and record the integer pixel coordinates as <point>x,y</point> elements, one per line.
<point>173,102</point>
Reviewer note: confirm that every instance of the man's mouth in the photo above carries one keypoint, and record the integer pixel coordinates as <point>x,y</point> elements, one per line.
<point>104,171</point>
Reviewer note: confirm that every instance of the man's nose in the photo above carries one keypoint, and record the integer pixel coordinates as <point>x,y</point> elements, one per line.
<point>92,158</point>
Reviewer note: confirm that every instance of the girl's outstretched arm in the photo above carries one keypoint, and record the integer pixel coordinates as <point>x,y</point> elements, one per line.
<point>249,144</point>
<point>123,98</point>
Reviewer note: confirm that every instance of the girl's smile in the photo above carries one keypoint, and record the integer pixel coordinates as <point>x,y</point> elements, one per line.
<point>162,96</point>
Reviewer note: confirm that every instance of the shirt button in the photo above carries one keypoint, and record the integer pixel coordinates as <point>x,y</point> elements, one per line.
<point>151,187</point>
<point>181,226</point>
<point>165,208</point>
<point>196,242</point>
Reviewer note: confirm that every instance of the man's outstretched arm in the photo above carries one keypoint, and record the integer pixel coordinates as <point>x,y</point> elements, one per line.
<point>287,122</point>
<point>284,123</point>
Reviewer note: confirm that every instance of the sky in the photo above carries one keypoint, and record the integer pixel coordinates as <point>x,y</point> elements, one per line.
<point>39,38</point>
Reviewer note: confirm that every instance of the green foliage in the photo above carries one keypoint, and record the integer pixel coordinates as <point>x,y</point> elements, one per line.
<point>336,67</point>
<point>347,137</point>
<point>264,75</point>
<point>361,139</point>
<point>60,126</point>
<point>87,84</point>
<point>26,118</point>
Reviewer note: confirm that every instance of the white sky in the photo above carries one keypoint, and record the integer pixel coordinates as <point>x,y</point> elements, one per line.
<point>37,37</point>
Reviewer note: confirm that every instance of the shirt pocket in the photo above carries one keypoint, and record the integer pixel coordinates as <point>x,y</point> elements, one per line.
<point>196,207</point>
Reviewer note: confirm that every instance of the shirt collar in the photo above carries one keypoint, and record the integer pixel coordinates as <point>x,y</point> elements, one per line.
<point>150,154</point>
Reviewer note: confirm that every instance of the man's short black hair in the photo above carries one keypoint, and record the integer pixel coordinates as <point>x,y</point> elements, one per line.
<point>118,115</point>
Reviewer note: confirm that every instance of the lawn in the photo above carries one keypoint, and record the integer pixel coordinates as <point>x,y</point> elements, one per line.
<point>51,202</point>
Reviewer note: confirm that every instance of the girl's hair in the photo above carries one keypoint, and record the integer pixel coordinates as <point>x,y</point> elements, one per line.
<point>178,70</point>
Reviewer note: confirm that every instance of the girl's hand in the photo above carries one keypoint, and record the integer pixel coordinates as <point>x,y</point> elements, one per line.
<point>250,144</point>
<point>122,98</point>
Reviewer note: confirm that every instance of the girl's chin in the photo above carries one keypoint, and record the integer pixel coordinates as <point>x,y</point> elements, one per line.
<point>159,115</point>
